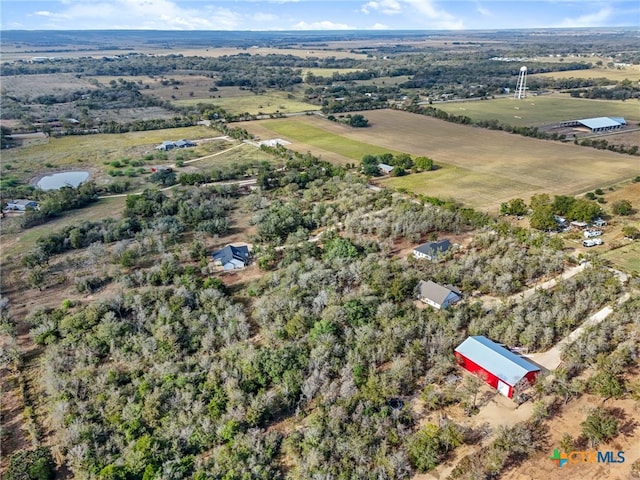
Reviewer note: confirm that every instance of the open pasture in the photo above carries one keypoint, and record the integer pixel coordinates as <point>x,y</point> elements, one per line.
<point>16,242</point>
<point>626,258</point>
<point>493,166</point>
<point>310,131</point>
<point>616,74</point>
<point>542,110</point>
<point>22,86</point>
<point>83,152</point>
<point>327,72</point>
<point>268,103</point>
<point>12,53</point>
<point>384,81</point>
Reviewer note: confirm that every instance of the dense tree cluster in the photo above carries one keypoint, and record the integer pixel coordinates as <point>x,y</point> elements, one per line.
<point>181,377</point>
<point>51,203</point>
<point>539,321</point>
<point>402,163</point>
<point>545,212</point>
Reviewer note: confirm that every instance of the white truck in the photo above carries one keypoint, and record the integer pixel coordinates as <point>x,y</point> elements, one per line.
<point>592,242</point>
<point>592,233</point>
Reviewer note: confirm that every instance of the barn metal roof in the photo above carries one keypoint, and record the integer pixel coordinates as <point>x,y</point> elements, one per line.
<point>507,366</point>
<point>601,122</point>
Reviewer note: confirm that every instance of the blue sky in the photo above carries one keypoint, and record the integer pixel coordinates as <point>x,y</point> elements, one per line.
<point>314,15</point>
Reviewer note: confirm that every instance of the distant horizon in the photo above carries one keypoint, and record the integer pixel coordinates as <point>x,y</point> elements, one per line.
<point>355,30</point>
<point>314,15</point>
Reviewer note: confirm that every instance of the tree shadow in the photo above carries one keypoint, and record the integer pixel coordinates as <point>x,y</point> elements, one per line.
<point>626,426</point>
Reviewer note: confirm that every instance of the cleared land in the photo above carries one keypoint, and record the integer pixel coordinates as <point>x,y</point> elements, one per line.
<point>625,258</point>
<point>74,51</point>
<point>256,104</point>
<point>327,72</point>
<point>542,110</point>
<point>73,151</point>
<point>46,83</point>
<point>490,166</point>
<point>312,131</point>
<point>23,241</point>
<point>617,74</point>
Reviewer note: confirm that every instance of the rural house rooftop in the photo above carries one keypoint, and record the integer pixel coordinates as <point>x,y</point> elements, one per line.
<point>437,295</point>
<point>432,249</point>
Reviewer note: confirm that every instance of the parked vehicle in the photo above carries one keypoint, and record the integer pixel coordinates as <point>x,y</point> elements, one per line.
<point>592,242</point>
<point>592,233</point>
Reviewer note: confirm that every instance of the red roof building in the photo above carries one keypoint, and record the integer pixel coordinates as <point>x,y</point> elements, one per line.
<point>499,367</point>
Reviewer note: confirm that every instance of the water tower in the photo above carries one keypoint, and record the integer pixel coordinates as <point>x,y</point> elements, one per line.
<point>521,87</point>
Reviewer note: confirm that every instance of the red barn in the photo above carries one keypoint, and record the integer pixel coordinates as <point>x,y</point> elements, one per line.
<point>501,368</point>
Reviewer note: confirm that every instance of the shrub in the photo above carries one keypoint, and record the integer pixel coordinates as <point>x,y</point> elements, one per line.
<point>622,207</point>
<point>599,426</point>
<point>35,464</point>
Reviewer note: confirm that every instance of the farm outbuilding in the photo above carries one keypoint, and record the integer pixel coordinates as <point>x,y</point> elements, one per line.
<point>385,169</point>
<point>597,124</point>
<point>501,368</point>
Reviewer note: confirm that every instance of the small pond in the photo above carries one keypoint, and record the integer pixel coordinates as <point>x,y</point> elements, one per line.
<point>62,179</point>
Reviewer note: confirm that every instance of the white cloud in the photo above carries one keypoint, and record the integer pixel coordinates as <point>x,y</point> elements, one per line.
<point>141,14</point>
<point>379,26</point>
<point>483,11</point>
<point>322,25</point>
<point>436,17</point>
<point>388,7</point>
<point>595,19</point>
<point>265,17</point>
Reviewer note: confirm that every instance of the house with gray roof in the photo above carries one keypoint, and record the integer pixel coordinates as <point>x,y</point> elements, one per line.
<point>22,205</point>
<point>385,169</point>
<point>432,250</point>
<point>436,295</point>
<point>232,257</point>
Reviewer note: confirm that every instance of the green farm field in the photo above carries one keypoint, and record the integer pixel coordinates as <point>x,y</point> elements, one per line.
<point>315,137</point>
<point>542,110</point>
<point>256,104</point>
<point>479,167</point>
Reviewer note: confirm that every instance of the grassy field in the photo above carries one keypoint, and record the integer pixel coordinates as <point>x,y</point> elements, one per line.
<point>240,154</point>
<point>625,258</point>
<point>616,74</point>
<point>256,104</point>
<point>327,72</point>
<point>14,243</point>
<point>76,51</point>
<point>384,81</point>
<point>457,183</point>
<point>480,167</point>
<point>542,110</point>
<point>297,131</point>
<point>91,152</point>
